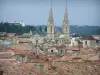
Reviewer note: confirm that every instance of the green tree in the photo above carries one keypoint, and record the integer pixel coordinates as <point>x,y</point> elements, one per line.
<point>40,29</point>
<point>46,29</point>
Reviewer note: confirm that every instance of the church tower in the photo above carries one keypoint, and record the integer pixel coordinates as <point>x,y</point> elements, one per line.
<point>65,27</point>
<point>50,25</point>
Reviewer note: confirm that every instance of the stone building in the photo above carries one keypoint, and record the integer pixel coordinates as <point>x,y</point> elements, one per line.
<point>57,49</point>
<point>37,39</point>
<point>74,42</point>
<point>50,37</point>
<point>89,42</point>
<point>20,55</point>
<point>50,25</point>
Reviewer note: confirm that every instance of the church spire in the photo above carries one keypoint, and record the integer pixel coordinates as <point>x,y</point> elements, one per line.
<point>50,19</point>
<point>66,13</point>
<point>65,22</point>
<point>50,25</point>
<point>50,13</point>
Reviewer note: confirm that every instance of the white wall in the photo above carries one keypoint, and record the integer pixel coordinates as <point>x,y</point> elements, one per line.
<point>74,42</point>
<point>54,50</point>
<point>90,44</point>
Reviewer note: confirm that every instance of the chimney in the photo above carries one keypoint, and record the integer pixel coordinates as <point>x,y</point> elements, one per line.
<point>40,68</point>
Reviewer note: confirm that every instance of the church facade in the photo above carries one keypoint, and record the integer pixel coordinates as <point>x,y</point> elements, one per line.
<point>51,37</point>
<point>59,38</point>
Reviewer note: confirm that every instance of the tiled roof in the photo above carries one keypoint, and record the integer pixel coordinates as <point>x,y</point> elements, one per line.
<point>37,60</point>
<point>5,55</point>
<point>92,52</point>
<point>25,66</point>
<point>23,47</point>
<point>88,38</point>
<point>76,68</point>
<point>73,49</point>
<point>4,47</point>
<point>31,69</point>
<point>18,51</point>
<point>66,54</point>
<point>3,38</point>
<point>15,67</point>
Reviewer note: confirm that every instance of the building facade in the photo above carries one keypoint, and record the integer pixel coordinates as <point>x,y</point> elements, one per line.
<point>89,42</point>
<point>51,37</point>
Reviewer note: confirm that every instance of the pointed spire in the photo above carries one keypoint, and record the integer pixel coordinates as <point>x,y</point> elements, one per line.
<point>66,13</point>
<point>50,13</point>
<point>50,25</point>
<point>65,22</point>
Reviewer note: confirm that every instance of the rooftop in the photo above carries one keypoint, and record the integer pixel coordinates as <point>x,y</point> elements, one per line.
<point>88,38</point>
<point>18,51</point>
<point>13,67</point>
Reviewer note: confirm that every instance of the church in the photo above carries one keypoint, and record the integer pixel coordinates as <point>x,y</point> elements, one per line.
<point>51,38</point>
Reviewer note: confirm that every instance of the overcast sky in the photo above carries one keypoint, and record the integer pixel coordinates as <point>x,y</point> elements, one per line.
<point>36,12</point>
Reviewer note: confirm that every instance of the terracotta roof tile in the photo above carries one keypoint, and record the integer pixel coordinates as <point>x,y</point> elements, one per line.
<point>92,52</point>
<point>11,66</point>
<point>37,60</point>
<point>66,54</point>
<point>73,49</point>
<point>31,69</point>
<point>18,51</point>
<point>89,38</point>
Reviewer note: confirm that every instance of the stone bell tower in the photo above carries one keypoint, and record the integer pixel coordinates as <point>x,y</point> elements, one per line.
<point>50,25</point>
<point>65,27</point>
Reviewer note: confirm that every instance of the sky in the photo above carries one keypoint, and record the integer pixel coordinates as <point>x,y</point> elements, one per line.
<point>36,12</point>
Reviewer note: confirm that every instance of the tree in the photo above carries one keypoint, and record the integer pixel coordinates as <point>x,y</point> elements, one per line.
<point>46,29</point>
<point>40,29</point>
<point>15,28</point>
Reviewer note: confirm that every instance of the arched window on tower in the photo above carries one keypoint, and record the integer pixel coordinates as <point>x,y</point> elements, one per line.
<point>66,28</point>
<point>51,28</point>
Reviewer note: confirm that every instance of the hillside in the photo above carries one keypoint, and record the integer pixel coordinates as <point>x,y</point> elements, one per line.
<point>41,29</point>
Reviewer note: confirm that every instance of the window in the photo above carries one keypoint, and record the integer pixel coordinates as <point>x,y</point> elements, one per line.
<point>61,51</point>
<point>51,51</point>
<point>51,28</point>
<point>85,42</point>
<point>36,41</point>
<point>66,28</point>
